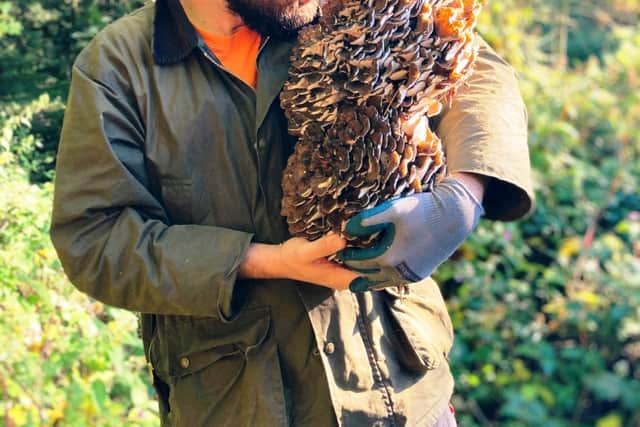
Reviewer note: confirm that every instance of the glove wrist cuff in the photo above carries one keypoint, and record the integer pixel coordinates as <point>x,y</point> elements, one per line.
<point>460,185</point>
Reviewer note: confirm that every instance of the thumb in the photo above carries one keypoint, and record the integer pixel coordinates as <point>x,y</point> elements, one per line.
<point>373,219</point>
<point>323,247</point>
<point>390,211</point>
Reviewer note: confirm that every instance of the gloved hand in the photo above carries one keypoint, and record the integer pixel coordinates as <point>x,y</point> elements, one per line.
<point>420,232</point>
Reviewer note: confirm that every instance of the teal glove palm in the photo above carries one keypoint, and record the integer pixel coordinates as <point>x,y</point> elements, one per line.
<point>419,232</point>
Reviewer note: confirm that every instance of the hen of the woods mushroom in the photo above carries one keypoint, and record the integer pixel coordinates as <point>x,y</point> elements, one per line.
<point>356,76</point>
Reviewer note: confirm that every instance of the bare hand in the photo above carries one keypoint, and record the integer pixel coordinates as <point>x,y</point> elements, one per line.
<point>299,259</point>
<point>307,261</point>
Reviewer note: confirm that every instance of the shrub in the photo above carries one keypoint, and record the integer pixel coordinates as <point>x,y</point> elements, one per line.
<point>547,311</point>
<point>65,359</point>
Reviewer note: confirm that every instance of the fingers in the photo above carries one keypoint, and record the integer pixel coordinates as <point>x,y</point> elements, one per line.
<point>379,248</point>
<point>360,284</point>
<point>323,247</point>
<point>356,226</point>
<point>384,278</point>
<point>341,278</point>
<point>333,275</point>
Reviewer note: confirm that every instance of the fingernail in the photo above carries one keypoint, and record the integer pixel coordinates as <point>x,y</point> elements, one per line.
<point>360,284</point>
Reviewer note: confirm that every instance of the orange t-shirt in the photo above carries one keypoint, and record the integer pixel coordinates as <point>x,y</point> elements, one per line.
<point>237,52</point>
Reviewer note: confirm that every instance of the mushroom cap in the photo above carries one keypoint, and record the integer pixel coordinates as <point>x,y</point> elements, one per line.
<point>357,76</point>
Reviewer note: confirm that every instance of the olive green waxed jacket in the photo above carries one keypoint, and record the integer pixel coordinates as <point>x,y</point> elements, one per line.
<point>169,167</point>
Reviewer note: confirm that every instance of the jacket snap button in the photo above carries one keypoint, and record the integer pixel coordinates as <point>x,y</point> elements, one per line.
<point>184,362</point>
<point>330,348</point>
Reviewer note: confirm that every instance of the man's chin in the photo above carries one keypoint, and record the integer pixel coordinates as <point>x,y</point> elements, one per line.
<point>279,24</point>
<point>274,30</point>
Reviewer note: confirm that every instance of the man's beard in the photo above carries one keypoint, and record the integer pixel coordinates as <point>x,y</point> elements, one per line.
<point>280,19</point>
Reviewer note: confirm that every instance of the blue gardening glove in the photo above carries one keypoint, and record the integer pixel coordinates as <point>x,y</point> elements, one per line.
<point>419,232</point>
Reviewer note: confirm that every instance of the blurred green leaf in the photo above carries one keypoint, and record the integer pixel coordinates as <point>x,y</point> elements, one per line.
<point>605,386</point>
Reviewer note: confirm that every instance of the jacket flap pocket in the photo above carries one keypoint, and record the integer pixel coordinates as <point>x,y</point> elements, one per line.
<point>192,344</point>
<point>422,329</point>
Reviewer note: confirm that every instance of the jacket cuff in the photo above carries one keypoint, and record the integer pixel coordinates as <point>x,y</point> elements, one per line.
<point>508,195</point>
<point>484,131</point>
<point>227,301</point>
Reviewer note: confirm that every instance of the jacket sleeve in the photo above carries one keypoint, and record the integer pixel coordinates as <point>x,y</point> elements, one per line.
<point>484,131</point>
<point>112,234</point>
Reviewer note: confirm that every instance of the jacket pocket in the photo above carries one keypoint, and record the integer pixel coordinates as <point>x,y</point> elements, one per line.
<point>176,199</point>
<point>184,345</point>
<point>220,373</point>
<point>422,331</point>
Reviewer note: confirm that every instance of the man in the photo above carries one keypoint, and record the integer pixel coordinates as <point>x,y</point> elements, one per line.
<point>167,203</point>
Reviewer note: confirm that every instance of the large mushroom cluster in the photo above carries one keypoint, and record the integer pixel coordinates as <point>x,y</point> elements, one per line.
<point>357,77</point>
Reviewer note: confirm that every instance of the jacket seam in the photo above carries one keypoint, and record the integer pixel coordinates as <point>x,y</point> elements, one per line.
<point>379,381</point>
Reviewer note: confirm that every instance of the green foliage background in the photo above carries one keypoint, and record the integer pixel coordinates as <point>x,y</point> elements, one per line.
<point>546,311</point>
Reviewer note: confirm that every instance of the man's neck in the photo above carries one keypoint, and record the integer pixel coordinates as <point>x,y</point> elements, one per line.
<point>213,16</point>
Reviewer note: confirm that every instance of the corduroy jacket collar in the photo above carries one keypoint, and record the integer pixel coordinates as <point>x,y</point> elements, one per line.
<point>174,38</point>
